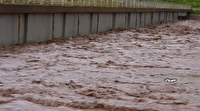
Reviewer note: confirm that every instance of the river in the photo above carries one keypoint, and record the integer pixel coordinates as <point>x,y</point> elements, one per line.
<point>147,69</point>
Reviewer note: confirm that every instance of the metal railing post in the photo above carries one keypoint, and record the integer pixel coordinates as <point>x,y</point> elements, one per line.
<point>95,3</point>
<point>12,1</point>
<point>106,3</point>
<point>72,2</point>
<point>112,3</point>
<point>88,3</point>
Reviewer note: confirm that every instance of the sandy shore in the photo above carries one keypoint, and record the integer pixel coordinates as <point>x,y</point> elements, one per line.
<point>113,71</point>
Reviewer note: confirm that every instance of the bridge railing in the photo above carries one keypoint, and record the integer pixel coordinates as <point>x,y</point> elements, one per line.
<point>101,3</point>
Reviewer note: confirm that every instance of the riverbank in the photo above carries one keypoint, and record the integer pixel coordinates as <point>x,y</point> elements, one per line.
<point>194,17</point>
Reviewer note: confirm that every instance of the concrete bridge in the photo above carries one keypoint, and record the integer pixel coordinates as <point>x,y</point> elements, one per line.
<point>21,24</point>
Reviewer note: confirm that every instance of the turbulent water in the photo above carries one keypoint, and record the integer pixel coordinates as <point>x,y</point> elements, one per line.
<point>149,69</point>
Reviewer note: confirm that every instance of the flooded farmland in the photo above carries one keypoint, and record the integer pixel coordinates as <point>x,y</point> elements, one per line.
<point>148,69</point>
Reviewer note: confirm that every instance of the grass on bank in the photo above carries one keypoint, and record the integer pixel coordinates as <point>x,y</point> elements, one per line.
<point>195,11</point>
<point>195,4</point>
<point>75,3</point>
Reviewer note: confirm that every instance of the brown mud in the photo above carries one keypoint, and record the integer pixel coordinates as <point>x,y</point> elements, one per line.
<point>194,17</point>
<point>114,71</point>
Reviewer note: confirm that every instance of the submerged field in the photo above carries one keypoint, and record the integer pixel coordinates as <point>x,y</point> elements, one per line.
<point>117,71</point>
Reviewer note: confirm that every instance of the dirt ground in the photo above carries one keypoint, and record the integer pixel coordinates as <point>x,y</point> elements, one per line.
<point>113,71</point>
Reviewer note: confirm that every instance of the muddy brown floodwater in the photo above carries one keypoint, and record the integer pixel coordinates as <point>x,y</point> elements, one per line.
<point>113,71</point>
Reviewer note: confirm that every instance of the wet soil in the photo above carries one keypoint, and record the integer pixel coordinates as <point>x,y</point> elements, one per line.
<point>194,17</point>
<point>113,71</point>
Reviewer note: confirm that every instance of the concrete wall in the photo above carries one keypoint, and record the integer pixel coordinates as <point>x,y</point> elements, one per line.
<point>163,17</point>
<point>142,19</point>
<point>94,23</point>
<point>39,27</point>
<point>156,17</point>
<point>59,25</point>
<point>148,18</point>
<point>171,16</point>
<point>27,27</point>
<point>133,17</point>
<point>71,25</point>
<point>105,22</point>
<point>120,21</point>
<point>138,20</point>
<point>167,16</point>
<point>22,29</point>
<point>127,20</point>
<point>8,29</point>
<point>175,15</point>
<point>84,23</point>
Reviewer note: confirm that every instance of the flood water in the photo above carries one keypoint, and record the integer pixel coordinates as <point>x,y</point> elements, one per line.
<point>148,69</point>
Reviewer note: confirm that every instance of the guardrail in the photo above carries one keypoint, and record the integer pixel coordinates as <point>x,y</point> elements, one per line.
<point>101,3</point>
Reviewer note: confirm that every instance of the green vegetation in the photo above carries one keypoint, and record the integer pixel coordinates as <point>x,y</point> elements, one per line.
<point>194,3</point>
<point>196,11</point>
<point>75,3</point>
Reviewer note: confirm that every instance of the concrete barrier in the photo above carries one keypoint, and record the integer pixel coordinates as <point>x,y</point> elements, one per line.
<point>142,19</point>
<point>162,17</point>
<point>148,19</point>
<point>120,21</point>
<point>19,28</point>
<point>167,16</point>
<point>94,23</point>
<point>71,25</point>
<point>133,20</point>
<point>175,15</point>
<point>39,27</point>
<point>138,20</point>
<point>84,23</point>
<point>22,29</point>
<point>59,25</point>
<point>156,17</point>
<point>127,20</point>
<point>105,22</point>
<point>171,16</point>
<point>8,29</point>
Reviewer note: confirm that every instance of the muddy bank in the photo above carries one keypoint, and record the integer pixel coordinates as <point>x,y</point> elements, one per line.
<point>113,71</point>
<point>194,17</point>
